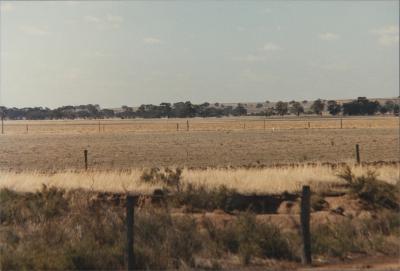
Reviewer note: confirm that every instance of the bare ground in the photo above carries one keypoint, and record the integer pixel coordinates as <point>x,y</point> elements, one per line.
<point>195,148</point>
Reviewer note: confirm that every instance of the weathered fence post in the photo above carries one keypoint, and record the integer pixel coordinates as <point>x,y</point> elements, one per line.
<point>85,153</point>
<point>309,125</point>
<point>177,126</point>
<point>2,123</point>
<point>264,124</point>
<point>305,224</point>
<point>341,123</point>
<point>130,216</point>
<point>358,154</point>
<point>187,125</point>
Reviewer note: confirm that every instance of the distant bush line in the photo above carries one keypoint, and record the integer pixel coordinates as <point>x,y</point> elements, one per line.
<point>359,106</point>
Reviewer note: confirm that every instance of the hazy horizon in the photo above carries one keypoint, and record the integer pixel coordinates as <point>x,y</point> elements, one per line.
<point>132,53</point>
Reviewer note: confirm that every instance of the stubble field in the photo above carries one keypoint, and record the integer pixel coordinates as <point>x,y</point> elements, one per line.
<point>116,148</point>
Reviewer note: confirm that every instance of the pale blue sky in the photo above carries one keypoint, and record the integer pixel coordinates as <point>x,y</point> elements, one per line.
<point>131,52</point>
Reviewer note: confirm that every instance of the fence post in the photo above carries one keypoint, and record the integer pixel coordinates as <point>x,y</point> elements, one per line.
<point>305,224</point>
<point>309,126</point>
<point>177,127</point>
<point>358,154</point>
<point>85,153</point>
<point>264,124</point>
<point>99,127</point>
<point>187,125</point>
<point>130,216</point>
<point>27,129</point>
<point>341,123</point>
<point>2,123</point>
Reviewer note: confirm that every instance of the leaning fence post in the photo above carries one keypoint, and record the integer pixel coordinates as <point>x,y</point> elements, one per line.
<point>130,216</point>
<point>305,224</point>
<point>85,153</point>
<point>358,154</point>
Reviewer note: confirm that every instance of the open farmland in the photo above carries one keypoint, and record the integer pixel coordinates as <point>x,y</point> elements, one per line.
<point>195,124</point>
<point>61,145</point>
<point>241,183</point>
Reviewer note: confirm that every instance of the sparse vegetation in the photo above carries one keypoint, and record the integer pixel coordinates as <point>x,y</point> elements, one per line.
<point>371,190</point>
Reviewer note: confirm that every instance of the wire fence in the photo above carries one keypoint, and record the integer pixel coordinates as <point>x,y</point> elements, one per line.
<point>194,124</point>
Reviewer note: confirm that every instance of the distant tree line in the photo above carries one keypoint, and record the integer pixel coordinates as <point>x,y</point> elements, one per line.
<point>359,106</point>
<point>164,110</point>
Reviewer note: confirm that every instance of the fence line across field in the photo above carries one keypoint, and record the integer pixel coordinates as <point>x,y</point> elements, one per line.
<point>195,124</point>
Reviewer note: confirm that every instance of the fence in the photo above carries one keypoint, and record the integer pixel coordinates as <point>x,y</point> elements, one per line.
<point>304,220</point>
<point>195,124</point>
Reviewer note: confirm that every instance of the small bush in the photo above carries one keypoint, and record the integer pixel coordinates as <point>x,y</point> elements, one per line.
<point>367,236</point>
<point>199,197</point>
<point>317,202</point>
<point>249,238</point>
<point>170,178</point>
<point>165,243</point>
<point>372,191</point>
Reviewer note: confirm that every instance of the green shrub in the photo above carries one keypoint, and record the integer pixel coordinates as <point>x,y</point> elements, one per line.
<point>368,236</point>
<point>199,197</point>
<point>372,191</point>
<point>248,238</point>
<point>164,243</point>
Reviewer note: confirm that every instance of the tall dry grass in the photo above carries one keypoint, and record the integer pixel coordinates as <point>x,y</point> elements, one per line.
<point>246,181</point>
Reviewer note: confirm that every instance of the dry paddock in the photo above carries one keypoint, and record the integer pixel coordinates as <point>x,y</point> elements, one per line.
<point>59,145</point>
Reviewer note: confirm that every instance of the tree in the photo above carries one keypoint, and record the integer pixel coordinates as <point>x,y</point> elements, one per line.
<point>318,106</point>
<point>296,108</point>
<point>239,110</point>
<point>334,108</point>
<point>361,106</point>
<point>281,108</point>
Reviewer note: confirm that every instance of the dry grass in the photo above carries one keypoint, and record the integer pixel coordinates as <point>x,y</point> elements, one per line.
<point>115,151</point>
<point>196,124</point>
<point>247,181</point>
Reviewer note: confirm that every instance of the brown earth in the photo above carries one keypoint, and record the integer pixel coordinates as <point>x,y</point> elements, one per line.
<point>194,149</point>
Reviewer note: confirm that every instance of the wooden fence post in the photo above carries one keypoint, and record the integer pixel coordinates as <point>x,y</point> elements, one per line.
<point>27,129</point>
<point>264,124</point>
<point>130,216</point>
<point>99,127</point>
<point>358,154</point>
<point>309,125</point>
<point>85,153</point>
<point>177,127</point>
<point>341,123</point>
<point>2,123</point>
<point>305,224</point>
<point>187,125</point>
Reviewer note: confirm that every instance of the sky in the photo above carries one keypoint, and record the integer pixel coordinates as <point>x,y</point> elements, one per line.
<point>115,53</point>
